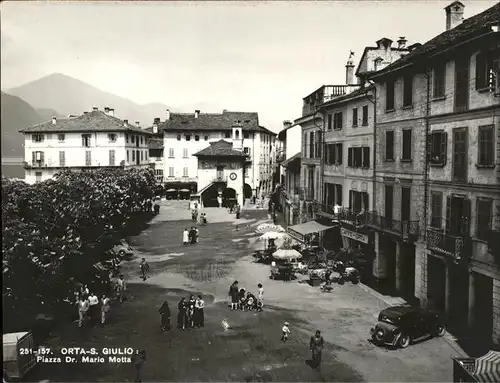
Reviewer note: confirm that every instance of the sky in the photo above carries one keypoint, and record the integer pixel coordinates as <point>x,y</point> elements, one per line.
<point>242,56</point>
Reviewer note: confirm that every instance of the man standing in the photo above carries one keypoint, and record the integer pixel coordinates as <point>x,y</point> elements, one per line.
<point>234,294</point>
<point>199,305</point>
<point>165,316</point>
<point>139,359</point>
<point>105,306</point>
<point>93,308</point>
<point>156,208</point>
<point>144,269</point>
<point>316,347</point>
<point>122,287</point>
<point>83,306</point>
<point>185,237</point>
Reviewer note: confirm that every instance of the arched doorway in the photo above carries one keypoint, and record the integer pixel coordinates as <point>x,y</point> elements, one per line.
<point>247,191</point>
<point>228,196</point>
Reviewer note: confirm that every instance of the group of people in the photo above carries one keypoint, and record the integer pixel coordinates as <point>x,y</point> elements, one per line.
<point>236,209</point>
<point>190,313</point>
<point>90,308</point>
<point>153,207</point>
<point>244,300</point>
<point>195,215</point>
<point>190,236</point>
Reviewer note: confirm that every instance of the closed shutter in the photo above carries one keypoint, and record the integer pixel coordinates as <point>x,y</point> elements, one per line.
<point>83,140</point>
<point>466,218</point>
<point>444,145</point>
<point>340,153</point>
<point>365,201</point>
<point>42,157</point>
<point>33,157</point>
<point>349,157</point>
<point>351,196</point>
<point>448,214</point>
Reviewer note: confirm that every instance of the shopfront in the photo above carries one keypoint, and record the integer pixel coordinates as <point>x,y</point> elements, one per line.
<point>359,241</point>
<point>308,232</point>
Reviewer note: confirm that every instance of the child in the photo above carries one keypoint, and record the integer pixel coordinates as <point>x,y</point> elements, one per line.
<point>285,332</point>
<point>260,302</point>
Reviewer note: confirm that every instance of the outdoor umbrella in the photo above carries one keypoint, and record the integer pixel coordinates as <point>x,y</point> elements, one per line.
<point>286,254</point>
<point>184,190</point>
<point>265,227</point>
<point>487,367</point>
<point>271,235</point>
<point>171,190</point>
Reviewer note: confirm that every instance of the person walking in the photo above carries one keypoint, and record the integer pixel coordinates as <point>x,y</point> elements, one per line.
<point>165,316</point>
<point>234,294</point>
<point>181,314</point>
<point>93,308</point>
<point>190,314</point>
<point>192,235</point>
<point>83,307</point>
<point>156,208</point>
<point>122,287</point>
<point>185,237</point>
<point>285,332</point>
<point>138,360</point>
<point>260,303</point>
<point>316,346</point>
<point>105,306</point>
<point>198,312</point>
<point>196,235</point>
<point>238,211</point>
<point>144,269</point>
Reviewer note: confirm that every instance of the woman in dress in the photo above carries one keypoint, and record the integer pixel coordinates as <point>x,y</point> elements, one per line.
<point>181,313</point>
<point>316,347</point>
<point>165,316</point>
<point>190,315</point>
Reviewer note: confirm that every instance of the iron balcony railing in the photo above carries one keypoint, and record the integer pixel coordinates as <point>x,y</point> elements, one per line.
<point>343,214</point>
<point>405,229</point>
<point>454,246</point>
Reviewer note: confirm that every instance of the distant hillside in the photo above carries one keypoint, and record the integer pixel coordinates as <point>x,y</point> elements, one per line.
<point>47,114</point>
<point>16,114</point>
<point>68,95</point>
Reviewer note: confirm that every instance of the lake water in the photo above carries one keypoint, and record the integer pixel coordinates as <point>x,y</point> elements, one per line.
<point>12,167</point>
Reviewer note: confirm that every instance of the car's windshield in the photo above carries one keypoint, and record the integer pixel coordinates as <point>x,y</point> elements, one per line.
<point>390,320</point>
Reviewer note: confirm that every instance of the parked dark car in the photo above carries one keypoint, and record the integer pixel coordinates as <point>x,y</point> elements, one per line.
<point>399,326</point>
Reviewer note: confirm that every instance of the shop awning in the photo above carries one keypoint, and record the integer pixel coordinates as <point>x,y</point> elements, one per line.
<point>487,367</point>
<point>303,229</point>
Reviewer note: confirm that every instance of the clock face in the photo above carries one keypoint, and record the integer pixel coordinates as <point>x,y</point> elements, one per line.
<point>233,176</point>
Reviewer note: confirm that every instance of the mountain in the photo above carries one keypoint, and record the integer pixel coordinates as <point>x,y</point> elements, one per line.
<point>68,95</point>
<point>16,114</point>
<point>47,114</point>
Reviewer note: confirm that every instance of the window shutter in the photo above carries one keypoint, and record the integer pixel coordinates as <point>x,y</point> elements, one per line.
<point>350,199</point>
<point>340,155</point>
<point>33,137</point>
<point>448,214</point>
<point>33,157</point>
<point>365,201</point>
<point>349,157</point>
<point>444,145</point>
<point>480,71</point>
<point>466,218</point>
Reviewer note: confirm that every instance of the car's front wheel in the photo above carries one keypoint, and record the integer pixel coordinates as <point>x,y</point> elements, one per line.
<point>404,341</point>
<point>440,330</point>
<point>122,253</point>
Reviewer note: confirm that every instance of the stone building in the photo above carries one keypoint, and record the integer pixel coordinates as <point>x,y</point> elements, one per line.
<point>438,156</point>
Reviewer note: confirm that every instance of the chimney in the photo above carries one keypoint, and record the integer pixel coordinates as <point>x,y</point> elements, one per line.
<point>167,116</point>
<point>287,124</point>
<point>157,120</point>
<point>85,112</point>
<point>137,124</point>
<point>384,43</point>
<point>54,120</point>
<point>402,43</point>
<point>196,113</point>
<point>106,110</point>
<point>111,112</point>
<point>454,14</point>
<point>125,122</point>
<point>349,72</point>
<point>95,108</point>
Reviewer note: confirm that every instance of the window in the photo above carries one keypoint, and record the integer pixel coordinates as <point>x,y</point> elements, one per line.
<point>171,153</point>
<point>37,137</point>
<point>62,158</point>
<point>146,155</point>
<point>142,155</point>
<point>179,137</point>
<point>436,210</point>
<point>318,144</point>
<point>133,155</point>
<point>128,155</point>
<point>484,64</point>
<point>142,140</point>
<point>237,134</point>
<point>438,147</point>
<point>337,121</point>
<point>486,146</point>
<point>111,158</point>
<point>330,122</point>
<point>111,137</point>
<point>227,134</point>
<point>365,115</point>
<point>184,153</point>
<point>246,134</point>
<point>389,145</point>
<point>246,150</point>
<point>126,138</point>
<point>311,145</point>
<point>88,158</point>
<point>188,137</point>
<point>439,80</point>
<point>61,137</point>
<point>407,145</point>
<point>358,201</point>
<point>196,138</point>
<point>389,95</point>
<point>484,218</point>
<point>206,138</point>
<point>171,172</point>
<point>408,90</point>
<point>462,83</point>
<point>132,139</point>
<point>355,117</point>
<point>405,204</point>
<point>38,176</point>
<point>185,171</point>
<point>366,156</point>
<point>304,147</point>
<point>86,140</point>
<point>330,154</point>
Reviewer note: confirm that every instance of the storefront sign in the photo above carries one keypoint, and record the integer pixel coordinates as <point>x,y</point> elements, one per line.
<point>353,235</point>
<point>294,234</point>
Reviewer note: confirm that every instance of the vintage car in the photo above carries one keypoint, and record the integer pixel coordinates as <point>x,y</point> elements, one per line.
<point>123,249</point>
<point>401,325</point>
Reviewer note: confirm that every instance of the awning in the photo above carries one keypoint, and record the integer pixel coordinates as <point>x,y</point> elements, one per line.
<point>299,231</point>
<point>487,367</point>
<point>295,157</point>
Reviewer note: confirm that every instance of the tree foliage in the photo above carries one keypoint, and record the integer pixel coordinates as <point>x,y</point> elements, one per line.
<point>55,231</point>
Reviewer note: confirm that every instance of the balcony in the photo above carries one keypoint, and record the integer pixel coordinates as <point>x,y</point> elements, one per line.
<point>343,214</point>
<point>324,94</point>
<point>407,230</point>
<point>34,164</point>
<point>450,245</point>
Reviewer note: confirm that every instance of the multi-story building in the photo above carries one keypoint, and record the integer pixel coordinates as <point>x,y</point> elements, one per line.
<point>156,152</point>
<point>438,160</point>
<point>187,133</point>
<point>94,139</point>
